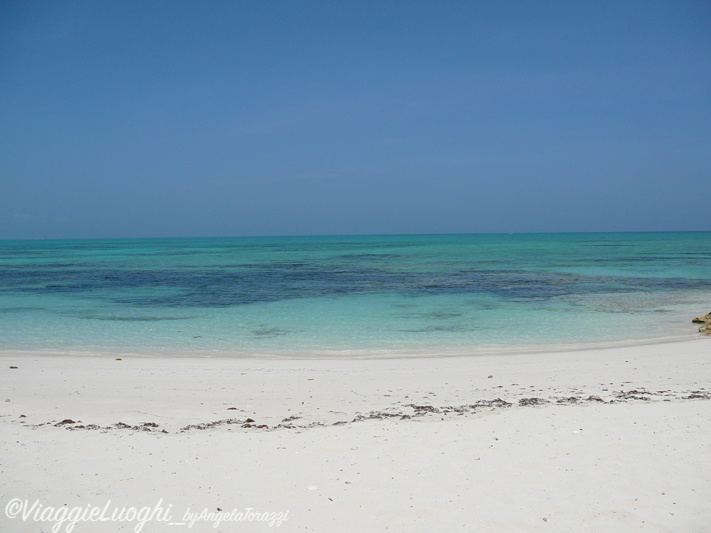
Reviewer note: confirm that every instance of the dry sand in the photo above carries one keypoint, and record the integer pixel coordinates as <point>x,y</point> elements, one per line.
<point>614,439</point>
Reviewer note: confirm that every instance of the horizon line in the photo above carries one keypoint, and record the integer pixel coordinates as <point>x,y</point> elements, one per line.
<point>344,235</point>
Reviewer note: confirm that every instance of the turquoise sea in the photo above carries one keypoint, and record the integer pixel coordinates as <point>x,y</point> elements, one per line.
<point>352,296</point>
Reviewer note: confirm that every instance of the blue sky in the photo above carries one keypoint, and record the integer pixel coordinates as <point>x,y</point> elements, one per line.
<point>156,119</point>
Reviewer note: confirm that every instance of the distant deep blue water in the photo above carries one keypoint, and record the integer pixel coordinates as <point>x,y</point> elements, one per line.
<point>352,295</point>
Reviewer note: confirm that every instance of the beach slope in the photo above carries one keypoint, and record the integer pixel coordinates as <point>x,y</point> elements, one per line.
<point>615,439</point>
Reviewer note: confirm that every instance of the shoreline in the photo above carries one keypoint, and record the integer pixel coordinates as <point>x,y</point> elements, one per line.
<point>555,441</point>
<point>333,354</point>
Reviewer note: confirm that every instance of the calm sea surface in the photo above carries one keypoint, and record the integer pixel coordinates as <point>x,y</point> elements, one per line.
<point>352,296</point>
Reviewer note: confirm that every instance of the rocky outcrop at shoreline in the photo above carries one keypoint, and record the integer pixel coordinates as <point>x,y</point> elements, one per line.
<point>705,322</point>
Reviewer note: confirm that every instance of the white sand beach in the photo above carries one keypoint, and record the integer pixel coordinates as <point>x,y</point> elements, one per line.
<point>615,439</point>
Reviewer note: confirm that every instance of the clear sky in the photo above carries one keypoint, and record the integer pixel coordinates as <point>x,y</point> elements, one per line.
<point>206,118</point>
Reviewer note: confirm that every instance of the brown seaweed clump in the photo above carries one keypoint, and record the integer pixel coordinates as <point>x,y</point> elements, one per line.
<point>705,322</point>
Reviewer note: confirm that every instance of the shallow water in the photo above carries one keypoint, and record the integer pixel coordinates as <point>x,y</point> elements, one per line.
<point>352,295</point>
